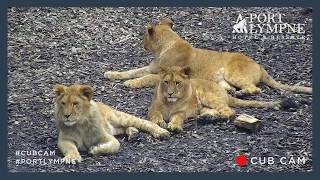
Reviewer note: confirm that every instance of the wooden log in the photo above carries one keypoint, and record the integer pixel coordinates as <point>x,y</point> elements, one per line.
<point>248,122</point>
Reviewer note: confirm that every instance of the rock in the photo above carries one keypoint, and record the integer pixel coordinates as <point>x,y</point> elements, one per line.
<point>247,122</point>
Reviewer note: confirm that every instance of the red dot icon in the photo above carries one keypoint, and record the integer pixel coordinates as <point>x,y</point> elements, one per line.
<point>241,160</point>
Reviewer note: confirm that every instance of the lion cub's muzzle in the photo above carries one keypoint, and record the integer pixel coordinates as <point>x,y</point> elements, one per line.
<point>171,97</point>
<point>69,121</point>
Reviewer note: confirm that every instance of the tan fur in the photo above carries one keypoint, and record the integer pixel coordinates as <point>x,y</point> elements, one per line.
<point>177,98</point>
<point>240,71</point>
<point>84,124</point>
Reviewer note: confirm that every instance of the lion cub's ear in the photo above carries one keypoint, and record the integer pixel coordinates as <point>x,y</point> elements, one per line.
<point>150,29</point>
<point>167,21</point>
<point>59,89</point>
<point>87,91</point>
<point>186,71</point>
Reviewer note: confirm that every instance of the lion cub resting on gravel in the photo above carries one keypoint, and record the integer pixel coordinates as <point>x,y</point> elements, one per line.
<point>88,125</point>
<point>177,97</point>
<point>169,49</point>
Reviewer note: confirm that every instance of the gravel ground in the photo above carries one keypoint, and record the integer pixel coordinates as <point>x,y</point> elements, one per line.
<point>67,45</point>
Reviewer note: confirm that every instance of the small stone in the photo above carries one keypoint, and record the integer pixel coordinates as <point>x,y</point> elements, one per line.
<point>247,122</point>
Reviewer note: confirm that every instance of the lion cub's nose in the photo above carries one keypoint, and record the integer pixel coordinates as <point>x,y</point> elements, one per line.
<point>67,116</point>
<point>170,93</point>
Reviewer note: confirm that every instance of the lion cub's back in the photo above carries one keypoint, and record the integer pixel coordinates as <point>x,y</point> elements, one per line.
<point>205,63</point>
<point>104,110</point>
<point>206,86</point>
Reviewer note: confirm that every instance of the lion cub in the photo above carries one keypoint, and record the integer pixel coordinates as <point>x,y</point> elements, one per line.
<point>88,125</point>
<point>169,49</point>
<point>177,97</point>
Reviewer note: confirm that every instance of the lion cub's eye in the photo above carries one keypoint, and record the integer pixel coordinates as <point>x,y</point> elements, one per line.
<point>178,82</point>
<point>75,104</point>
<point>166,82</point>
<point>63,103</point>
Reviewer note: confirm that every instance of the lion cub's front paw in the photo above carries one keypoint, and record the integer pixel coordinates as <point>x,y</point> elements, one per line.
<point>94,150</point>
<point>160,122</point>
<point>161,134</point>
<point>174,127</point>
<point>112,75</point>
<point>132,132</point>
<point>72,158</point>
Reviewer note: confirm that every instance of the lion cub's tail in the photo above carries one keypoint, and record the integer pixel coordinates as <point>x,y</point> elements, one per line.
<point>282,104</point>
<point>267,79</point>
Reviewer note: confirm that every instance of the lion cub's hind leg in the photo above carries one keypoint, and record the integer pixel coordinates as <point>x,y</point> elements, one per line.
<point>243,74</point>
<point>219,104</point>
<point>126,120</point>
<point>108,145</point>
<point>220,79</point>
<point>247,87</point>
<point>131,132</point>
<point>208,113</point>
<point>226,112</point>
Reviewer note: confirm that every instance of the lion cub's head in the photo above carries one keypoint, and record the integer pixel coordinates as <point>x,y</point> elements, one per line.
<point>174,83</point>
<point>156,35</point>
<point>72,103</point>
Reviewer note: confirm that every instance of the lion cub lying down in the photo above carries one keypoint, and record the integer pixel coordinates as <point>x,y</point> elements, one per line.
<point>177,97</point>
<point>169,49</point>
<point>88,125</point>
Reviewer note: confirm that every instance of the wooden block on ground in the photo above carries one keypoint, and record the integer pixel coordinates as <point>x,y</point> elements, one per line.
<point>248,122</point>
